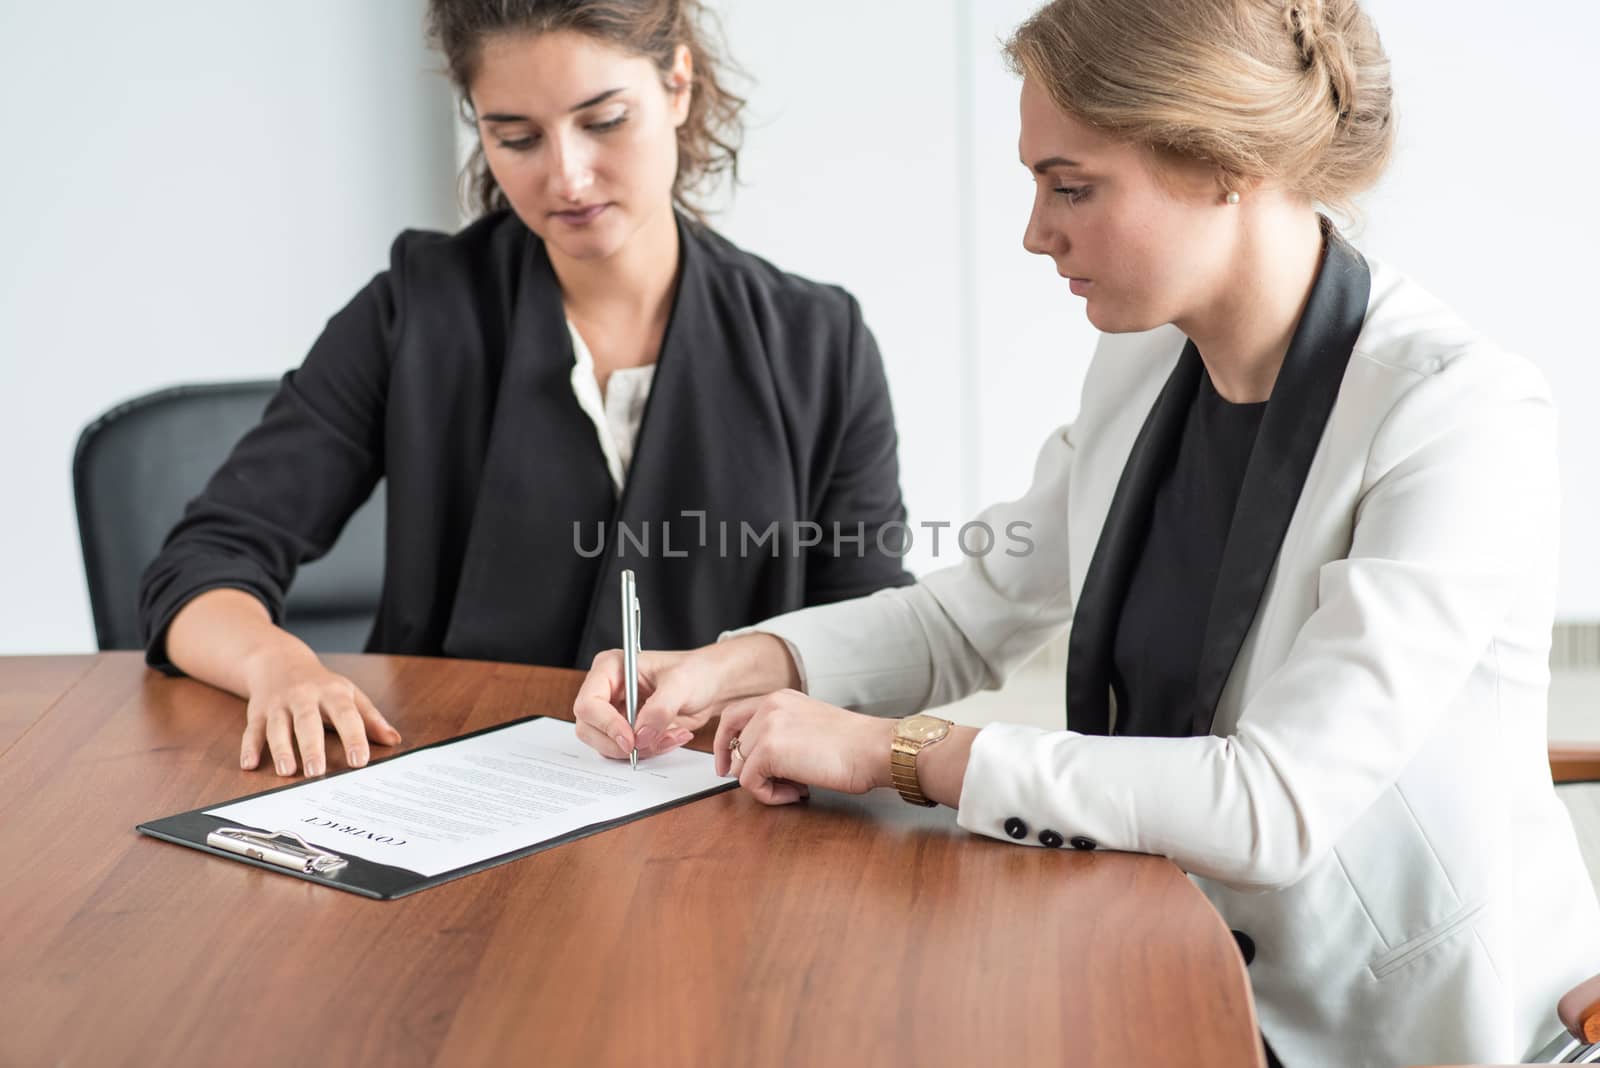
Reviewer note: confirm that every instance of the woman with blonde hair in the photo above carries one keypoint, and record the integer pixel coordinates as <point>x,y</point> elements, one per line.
<point>1302,531</point>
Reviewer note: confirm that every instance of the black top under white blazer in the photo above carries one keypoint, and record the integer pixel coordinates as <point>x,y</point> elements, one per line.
<point>449,375</point>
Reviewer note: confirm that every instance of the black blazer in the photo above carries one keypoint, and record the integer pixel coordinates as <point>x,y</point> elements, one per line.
<point>450,375</point>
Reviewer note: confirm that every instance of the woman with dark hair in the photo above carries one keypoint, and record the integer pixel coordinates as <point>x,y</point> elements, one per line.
<point>1301,532</point>
<point>585,379</point>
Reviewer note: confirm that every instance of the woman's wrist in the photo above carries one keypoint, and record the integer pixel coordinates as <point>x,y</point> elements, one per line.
<point>277,652</point>
<point>753,664</point>
<point>942,766</point>
<point>878,745</point>
<point>225,637</point>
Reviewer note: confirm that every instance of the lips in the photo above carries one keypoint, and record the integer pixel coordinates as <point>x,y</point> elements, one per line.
<point>1079,286</point>
<point>580,216</point>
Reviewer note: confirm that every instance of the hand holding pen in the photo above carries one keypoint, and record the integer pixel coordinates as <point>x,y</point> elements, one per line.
<point>676,693</point>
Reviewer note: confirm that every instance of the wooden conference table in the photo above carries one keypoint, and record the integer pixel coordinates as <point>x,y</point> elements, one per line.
<point>842,931</point>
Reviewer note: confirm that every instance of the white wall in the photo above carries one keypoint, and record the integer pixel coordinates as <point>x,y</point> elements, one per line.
<point>850,172</point>
<point>191,189</point>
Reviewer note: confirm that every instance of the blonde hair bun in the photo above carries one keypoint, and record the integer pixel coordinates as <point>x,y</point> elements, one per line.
<point>1292,91</point>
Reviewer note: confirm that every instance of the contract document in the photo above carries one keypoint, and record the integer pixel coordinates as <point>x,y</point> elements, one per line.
<point>477,798</point>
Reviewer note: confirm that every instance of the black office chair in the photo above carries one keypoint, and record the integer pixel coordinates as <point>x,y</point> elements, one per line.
<point>138,465</point>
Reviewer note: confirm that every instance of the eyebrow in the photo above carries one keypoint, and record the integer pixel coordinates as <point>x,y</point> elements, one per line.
<point>1054,161</point>
<point>601,98</point>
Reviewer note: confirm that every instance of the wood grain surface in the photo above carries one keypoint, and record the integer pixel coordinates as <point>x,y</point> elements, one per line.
<point>30,686</point>
<point>843,931</point>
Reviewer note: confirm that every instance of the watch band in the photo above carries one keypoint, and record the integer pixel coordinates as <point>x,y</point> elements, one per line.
<point>903,773</point>
<point>912,735</point>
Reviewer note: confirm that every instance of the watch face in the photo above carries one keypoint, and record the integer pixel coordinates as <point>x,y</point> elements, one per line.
<point>922,728</point>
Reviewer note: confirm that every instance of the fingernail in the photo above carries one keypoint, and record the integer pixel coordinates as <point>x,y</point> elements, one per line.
<point>247,762</point>
<point>622,741</point>
<point>313,767</point>
<point>358,759</point>
<point>681,736</point>
<point>285,768</point>
<point>647,737</point>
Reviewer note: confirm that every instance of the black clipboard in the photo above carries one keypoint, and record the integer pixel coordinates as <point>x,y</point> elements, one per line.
<point>366,877</point>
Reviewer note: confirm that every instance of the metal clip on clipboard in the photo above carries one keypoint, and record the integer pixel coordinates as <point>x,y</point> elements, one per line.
<point>285,849</point>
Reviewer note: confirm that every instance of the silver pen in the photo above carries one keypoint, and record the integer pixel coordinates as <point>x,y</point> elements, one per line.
<point>630,656</point>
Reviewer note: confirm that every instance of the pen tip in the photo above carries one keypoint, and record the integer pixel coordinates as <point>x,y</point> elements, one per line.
<point>633,759</point>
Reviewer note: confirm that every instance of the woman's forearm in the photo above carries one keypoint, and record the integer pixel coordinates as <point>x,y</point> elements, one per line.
<point>224,636</point>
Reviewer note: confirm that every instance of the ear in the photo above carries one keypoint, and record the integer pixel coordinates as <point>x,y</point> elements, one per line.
<point>1228,182</point>
<point>680,84</point>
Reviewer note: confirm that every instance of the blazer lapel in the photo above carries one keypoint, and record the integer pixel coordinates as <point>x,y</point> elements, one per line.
<point>524,585</point>
<point>711,454</point>
<point>1099,607</point>
<point>1291,429</point>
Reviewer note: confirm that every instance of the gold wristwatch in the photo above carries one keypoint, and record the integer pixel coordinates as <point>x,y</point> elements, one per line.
<point>911,736</point>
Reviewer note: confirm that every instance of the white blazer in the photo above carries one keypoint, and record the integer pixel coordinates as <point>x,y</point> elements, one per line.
<point>1370,805</point>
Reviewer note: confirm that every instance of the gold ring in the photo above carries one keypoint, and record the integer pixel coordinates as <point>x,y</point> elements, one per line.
<point>733,747</point>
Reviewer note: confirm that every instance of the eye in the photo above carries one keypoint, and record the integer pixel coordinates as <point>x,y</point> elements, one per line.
<point>517,144</point>
<point>608,124</point>
<point>1074,193</point>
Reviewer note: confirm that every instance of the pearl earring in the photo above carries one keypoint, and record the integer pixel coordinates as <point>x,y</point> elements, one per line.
<point>1233,198</point>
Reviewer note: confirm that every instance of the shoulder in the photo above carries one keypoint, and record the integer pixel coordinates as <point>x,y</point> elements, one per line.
<point>490,247</point>
<point>1412,334</point>
<point>1430,385</point>
<point>744,280</point>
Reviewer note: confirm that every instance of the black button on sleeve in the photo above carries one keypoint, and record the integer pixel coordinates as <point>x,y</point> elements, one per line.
<point>1247,946</point>
<point>1016,828</point>
<point>1080,842</point>
<point>1050,839</point>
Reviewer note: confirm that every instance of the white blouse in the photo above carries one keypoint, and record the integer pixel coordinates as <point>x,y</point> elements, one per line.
<point>617,414</point>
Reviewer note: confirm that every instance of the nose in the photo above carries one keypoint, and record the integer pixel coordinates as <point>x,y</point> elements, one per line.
<point>572,172</point>
<point>1037,237</point>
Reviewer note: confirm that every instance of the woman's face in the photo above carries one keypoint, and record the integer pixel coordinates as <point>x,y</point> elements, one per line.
<point>580,135</point>
<point>1142,248</point>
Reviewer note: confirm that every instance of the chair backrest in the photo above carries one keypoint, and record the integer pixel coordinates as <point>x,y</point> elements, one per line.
<point>140,463</point>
